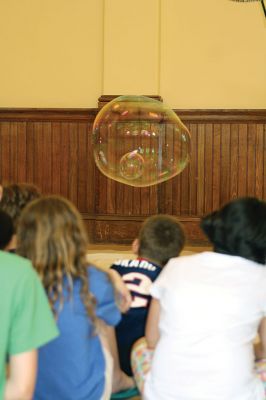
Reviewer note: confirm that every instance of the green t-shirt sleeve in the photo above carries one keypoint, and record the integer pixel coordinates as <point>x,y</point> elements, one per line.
<point>32,322</point>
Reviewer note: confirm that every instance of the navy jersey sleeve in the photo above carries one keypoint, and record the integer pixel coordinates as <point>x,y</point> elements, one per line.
<point>103,291</point>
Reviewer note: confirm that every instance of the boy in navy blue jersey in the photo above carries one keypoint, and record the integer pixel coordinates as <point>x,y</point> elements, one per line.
<point>161,238</point>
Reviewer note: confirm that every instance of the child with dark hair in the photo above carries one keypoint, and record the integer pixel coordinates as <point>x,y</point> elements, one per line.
<point>209,307</point>
<point>238,229</point>
<point>13,199</point>
<point>161,237</point>
<point>6,230</point>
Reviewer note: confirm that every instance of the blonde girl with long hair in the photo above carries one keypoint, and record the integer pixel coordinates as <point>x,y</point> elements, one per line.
<point>51,234</point>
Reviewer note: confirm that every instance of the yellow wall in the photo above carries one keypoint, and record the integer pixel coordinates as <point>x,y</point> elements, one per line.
<point>195,54</point>
<point>51,53</point>
<point>131,47</point>
<point>213,54</point>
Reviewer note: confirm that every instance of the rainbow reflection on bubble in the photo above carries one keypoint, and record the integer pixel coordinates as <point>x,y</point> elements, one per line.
<point>139,141</point>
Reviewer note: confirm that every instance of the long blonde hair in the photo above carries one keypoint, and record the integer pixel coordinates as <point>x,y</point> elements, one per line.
<point>52,235</point>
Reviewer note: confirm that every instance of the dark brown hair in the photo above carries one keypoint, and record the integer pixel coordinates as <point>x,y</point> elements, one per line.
<point>161,237</point>
<point>15,197</point>
<point>6,229</point>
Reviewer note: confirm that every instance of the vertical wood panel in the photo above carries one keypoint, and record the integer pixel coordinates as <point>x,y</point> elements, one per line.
<point>38,149</point>
<point>176,185</point>
<point>153,200</point>
<point>101,193</point>
<point>216,179</point>
<point>184,183</point>
<point>56,157</point>
<point>200,170</point>
<point>208,168</point>
<point>227,160</point>
<point>5,152</point>
<point>22,152</point>
<point>64,158</point>
<point>145,201</point>
<point>167,194</point>
<point>111,191</point>
<point>83,170</point>
<point>46,151</point>
<point>184,191</point>
<point>167,187</point>
<point>136,201</point>
<point>225,164</point>
<point>111,196</point>
<point>31,153</point>
<point>13,150</point>
<point>251,154</point>
<point>242,151</point>
<point>123,202</point>
<point>234,157</point>
<point>193,179</point>
<point>177,181</point>
<point>259,177</point>
<point>90,171</point>
<point>126,200</point>
<point>73,163</point>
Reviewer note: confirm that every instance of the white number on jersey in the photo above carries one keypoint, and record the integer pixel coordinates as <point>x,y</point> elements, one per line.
<point>140,284</point>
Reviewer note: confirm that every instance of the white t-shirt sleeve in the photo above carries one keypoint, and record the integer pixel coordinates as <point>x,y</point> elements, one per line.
<point>261,291</point>
<point>163,281</point>
<point>264,301</point>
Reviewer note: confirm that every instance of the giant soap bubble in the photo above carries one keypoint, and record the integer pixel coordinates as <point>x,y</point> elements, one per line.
<point>139,141</point>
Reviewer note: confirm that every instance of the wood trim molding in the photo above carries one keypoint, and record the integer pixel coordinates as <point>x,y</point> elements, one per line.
<point>223,115</point>
<point>108,217</point>
<point>48,114</point>
<point>123,229</point>
<point>106,98</point>
<point>88,115</point>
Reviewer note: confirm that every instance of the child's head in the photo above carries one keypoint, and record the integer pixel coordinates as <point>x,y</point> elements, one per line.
<point>161,237</point>
<point>15,197</point>
<point>239,229</point>
<point>52,235</point>
<point>6,230</point>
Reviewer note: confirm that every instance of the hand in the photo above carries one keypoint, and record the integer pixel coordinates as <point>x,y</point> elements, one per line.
<point>122,294</point>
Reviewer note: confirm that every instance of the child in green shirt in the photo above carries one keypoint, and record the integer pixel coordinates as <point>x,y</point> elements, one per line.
<point>26,324</point>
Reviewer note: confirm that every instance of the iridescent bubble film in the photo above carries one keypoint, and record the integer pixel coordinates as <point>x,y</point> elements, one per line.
<point>139,141</point>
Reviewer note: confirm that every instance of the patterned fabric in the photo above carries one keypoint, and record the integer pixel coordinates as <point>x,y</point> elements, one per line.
<point>141,358</point>
<point>260,368</point>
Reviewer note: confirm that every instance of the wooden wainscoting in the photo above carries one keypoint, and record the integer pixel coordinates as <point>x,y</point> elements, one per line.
<point>52,149</point>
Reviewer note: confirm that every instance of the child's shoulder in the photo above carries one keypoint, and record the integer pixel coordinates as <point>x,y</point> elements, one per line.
<point>139,263</point>
<point>136,269</point>
<point>97,275</point>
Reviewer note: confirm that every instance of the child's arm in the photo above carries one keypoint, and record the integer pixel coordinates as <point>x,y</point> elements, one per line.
<point>122,294</point>
<point>21,376</point>
<point>152,325</point>
<point>260,347</point>
<point>120,380</point>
